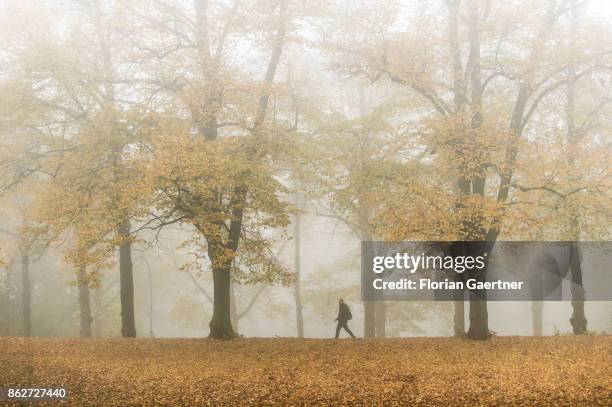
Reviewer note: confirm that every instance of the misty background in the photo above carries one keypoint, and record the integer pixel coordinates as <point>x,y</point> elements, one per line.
<point>172,298</point>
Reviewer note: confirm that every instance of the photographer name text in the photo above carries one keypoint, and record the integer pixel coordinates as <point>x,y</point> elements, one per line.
<point>429,284</point>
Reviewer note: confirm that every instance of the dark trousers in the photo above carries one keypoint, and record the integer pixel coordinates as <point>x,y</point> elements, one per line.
<point>343,324</point>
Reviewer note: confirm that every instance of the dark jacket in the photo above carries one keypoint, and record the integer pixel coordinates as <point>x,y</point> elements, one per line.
<point>344,313</point>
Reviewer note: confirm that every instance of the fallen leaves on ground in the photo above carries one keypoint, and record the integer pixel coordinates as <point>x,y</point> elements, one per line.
<point>553,371</point>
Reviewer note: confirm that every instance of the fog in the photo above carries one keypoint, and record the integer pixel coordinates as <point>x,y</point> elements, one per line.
<point>144,144</point>
<point>179,309</point>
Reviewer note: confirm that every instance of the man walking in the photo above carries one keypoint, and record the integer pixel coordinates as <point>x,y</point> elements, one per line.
<point>344,315</point>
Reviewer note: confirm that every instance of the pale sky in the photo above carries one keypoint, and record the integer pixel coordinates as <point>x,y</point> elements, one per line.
<point>601,7</point>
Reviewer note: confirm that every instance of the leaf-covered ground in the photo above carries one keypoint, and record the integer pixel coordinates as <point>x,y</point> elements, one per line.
<point>557,371</point>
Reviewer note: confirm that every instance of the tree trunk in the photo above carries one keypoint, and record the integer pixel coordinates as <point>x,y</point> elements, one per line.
<point>126,280</point>
<point>221,263</point>
<point>479,318</point>
<point>299,319</point>
<point>84,304</point>
<point>26,295</point>
<point>459,99</point>
<point>221,323</point>
<point>578,319</point>
<point>233,307</point>
<point>369,307</point>
<point>5,306</point>
<point>380,309</point>
<point>459,318</point>
<point>97,321</point>
<point>537,311</point>
<point>369,319</point>
<point>151,332</point>
<point>468,185</point>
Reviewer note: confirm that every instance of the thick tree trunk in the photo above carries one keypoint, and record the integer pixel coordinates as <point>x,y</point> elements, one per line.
<point>479,318</point>
<point>126,281</point>
<point>537,312</point>
<point>369,319</point>
<point>221,323</point>
<point>459,318</point>
<point>233,308</point>
<point>299,319</point>
<point>578,319</point>
<point>380,309</point>
<point>26,295</point>
<point>84,304</point>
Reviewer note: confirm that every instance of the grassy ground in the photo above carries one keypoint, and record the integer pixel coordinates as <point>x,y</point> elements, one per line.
<point>444,371</point>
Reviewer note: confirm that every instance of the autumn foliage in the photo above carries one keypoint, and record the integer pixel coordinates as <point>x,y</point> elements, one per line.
<point>555,371</point>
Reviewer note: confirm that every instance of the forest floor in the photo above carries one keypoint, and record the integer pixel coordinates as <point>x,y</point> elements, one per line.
<point>565,370</point>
